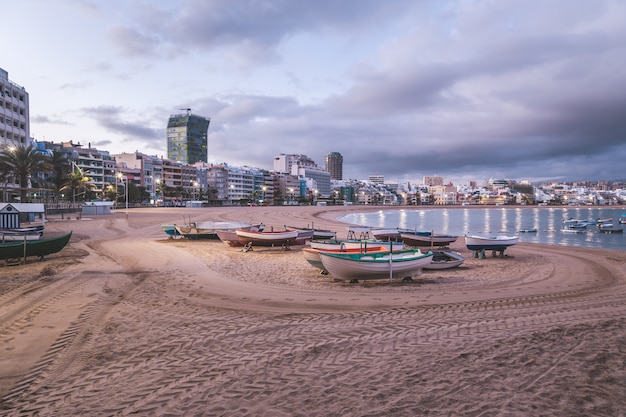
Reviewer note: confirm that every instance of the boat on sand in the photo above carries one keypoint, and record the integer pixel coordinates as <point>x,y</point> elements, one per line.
<point>266,238</point>
<point>208,230</point>
<point>312,256</point>
<point>424,239</point>
<point>39,247</point>
<point>366,266</point>
<point>494,243</point>
<point>445,260</point>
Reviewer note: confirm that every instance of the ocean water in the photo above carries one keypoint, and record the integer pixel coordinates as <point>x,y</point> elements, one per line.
<point>502,220</point>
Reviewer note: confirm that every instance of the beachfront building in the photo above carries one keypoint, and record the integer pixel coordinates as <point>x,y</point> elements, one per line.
<point>288,189</point>
<point>95,164</point>
<point>376,179</point>
<point>187,138</point>
<point>240,186</point>
<point>150,171</point>
<point>333,163</point>
<point>14,113</point>
<point>317,179</point>
<point>444,194</point>
<point>14,125</point>
<point>432,180</point>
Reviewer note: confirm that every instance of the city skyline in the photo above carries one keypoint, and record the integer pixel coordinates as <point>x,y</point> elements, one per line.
<point>463,90</point>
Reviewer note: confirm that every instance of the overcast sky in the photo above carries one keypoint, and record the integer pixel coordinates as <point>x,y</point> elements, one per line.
<point>466,89</point>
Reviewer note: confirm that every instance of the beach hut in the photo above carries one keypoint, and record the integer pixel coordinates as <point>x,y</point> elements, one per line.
<point>97,208</point>
<point>15,215</point>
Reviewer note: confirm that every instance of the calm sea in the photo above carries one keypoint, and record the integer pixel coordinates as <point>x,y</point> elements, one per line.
<point>482,221</point>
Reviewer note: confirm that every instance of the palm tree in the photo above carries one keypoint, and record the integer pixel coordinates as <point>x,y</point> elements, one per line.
<point>77,181</point>
<point>61,168</point>
<point>21,162</point>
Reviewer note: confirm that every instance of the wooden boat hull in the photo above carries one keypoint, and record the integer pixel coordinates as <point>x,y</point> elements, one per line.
<point>229,237</point>
<point>288,237</point>
<point>314,233</point>
<point>445,260</point>
<point>312,256</point>
<point>21,233</point>
<point>490,242</point>
<point>39,247</point>
<point>208,230</point>
<point>388,234</point>
<point>170,230</point>
<point>424,239</point>
<point>400,264</point>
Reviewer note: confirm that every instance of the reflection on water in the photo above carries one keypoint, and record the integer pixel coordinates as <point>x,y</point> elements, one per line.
<point>460,221</point>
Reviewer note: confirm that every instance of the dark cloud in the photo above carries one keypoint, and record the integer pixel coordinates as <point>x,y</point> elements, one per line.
<point>114,120</point>
<point>460,89</point>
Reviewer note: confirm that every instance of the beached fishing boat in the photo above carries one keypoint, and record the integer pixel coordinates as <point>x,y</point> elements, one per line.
<point>333,244</point>
<point>39,247</point>
<point>170,230</point>
<point>490,242</point>
<point>312,256</point>
<point>21,233</point>
<point>388,234</point>
<point>365,266</point>
<point>424,239</point>
<point>208,230</point>
<point>266,238</point>
<point>229,237</point>
<point>303,235</point>
<point>314,233</point>
<point>445,260</point>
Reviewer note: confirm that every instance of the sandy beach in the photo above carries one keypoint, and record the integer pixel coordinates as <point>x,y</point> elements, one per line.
<point>125,321</point>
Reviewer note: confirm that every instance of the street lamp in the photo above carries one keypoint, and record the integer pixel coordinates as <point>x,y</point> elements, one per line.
<point>291,196</point>
<point>156,192</point>
<point>124,178</point>
<point>264,188</point>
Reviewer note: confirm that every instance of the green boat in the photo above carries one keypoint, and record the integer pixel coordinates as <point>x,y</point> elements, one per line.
<point>39,247</point>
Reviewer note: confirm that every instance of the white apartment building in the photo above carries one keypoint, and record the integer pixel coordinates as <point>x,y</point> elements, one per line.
<point>14,113</point>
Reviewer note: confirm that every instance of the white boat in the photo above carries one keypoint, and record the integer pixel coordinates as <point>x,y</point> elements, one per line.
<point>499,242</point>
<point>427,239</point>
<point>445,260</point>
<point>574,230</point>
<point>353,267</point>
<point>208,230</point>
<point>21,233</point>
<point>388,234</point>
<point>312,256</point>
<point>267,238</point>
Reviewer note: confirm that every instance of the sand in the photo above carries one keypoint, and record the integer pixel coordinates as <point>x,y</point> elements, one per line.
<point>125,321</point>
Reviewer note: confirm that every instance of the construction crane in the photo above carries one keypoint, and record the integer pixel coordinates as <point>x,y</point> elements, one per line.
<point>188,111</point>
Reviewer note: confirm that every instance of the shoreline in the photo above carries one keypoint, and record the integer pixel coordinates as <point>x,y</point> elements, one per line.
<point>125,321</point>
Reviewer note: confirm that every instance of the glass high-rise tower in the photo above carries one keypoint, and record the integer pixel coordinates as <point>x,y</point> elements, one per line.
<point>333,162</point>
<point>187,138</point>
